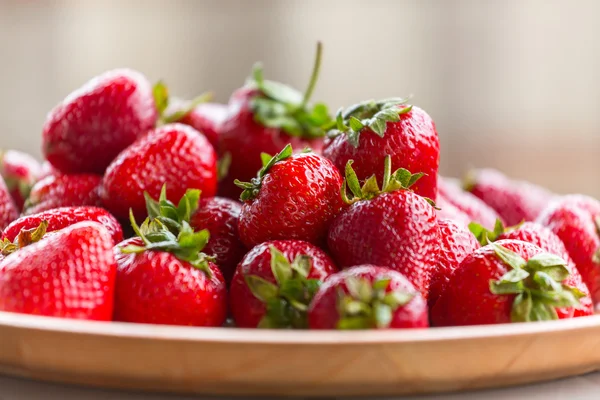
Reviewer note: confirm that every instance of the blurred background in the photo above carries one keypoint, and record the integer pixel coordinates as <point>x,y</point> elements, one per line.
<point>511,84</point>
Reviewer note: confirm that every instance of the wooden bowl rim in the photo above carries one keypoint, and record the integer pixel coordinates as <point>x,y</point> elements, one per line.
<point>255,336</point>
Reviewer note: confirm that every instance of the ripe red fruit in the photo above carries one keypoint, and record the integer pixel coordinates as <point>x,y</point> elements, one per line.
<point>64,191</point>
<point>507,281</point>
<point>164,278</point>
<point>174,154</point>
<point>263,117</point>
<point>393,226</point>
<point>60,218</point>
<point>8,210</point>
<point>48,170</point>
<point>275,282</point>
<point>220,217</point>
<point>293,197</point>
<point>69,274</point>
<point>456,243</point>
<point>472,206</point>
<point>370,131</point>
<point>207,118</point>
<point>85,132</point>
<point>575,219</point>
<point>367,297</point>
<point>20,171</point>
<point>447,210</point>
<point>515,201</point>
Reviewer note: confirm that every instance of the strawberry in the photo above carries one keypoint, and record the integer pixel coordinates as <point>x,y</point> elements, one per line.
<point>448,211</point>
<point>292,197</point>
<point>59,218</point>
<point>471,205</point>
<point>8,210</point>
<point>173,154</point>
<point>47,170</point>
<point>163,278</point>
<point>220,216</point>
<point>64,191</point>
<point>85,132</point>
<point>263,117</point>
<point>507,281</point>
<point>275,282</point>
<point>367,297</point>
<point>515,201</point>
<point>575,219</point>
<point>206,118</point>
<point>394,227</point>
<point>20,171</point>
<point>69,274</point>
<point>456,243</point>
<point>370,131</point>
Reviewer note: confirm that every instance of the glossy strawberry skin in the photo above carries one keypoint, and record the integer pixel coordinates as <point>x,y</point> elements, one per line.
<point>298,199</point>
<point>207,118</point>
<point>64,191</point>
<point>398,230</point>
<point>85,132</point>
<point>515,201</point>
<point>412,143</point>
<point>59,218</point>
<point>456,243</point>
<point>544,238</point>
<point>571,218</point>
<point>467,299</point>
<point>47,170</point>
<point>69,274</point>
<point>323,312</point>
<point>20,171</point>
<point>175,154</point>
<point>220,216</point>
<point>8,209</point>
<point>155,287</point>
<point>448,211</point>
<point>245,139</point>
<point>469,204</point>
<point>247,310</point>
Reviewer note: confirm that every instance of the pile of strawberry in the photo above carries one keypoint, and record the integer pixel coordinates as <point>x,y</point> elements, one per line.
<point>273,213</point>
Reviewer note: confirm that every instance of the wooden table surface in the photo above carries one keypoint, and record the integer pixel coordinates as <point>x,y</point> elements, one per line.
<point>579,388</point>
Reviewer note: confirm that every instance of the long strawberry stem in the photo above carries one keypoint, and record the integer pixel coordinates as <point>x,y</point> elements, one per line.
<point>314,77</point>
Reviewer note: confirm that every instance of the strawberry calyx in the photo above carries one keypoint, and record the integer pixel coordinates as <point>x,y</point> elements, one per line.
<point>252,188</point>
<point>369,305</point>
<point>24,238</point>
<point>537,284</point>
<point>484,235</point>
<point>186,245</point>
<point>170,215</point>
<point>286,301</point>
<point>160,92</point>
<point>370,114</point>
<point>279,106</point>
<point>401,179</point>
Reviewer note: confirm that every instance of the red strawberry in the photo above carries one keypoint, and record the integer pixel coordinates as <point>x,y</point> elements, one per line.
<point>447,210</point>
<point>293,197</point>
<point>8,210</point>
<point>514,201</point>
<point>164,278</point>
<point>275,282</point>
<point>456,243</point>
<point>507,281</point>
<point>367,297</point>
<point>370,131</point>
<point>69,274</point>
<point>220,216</point>
<point>393,226</point>
<point>20,171</point>
<point>207,118</point>
<point>64,191</point>
<point>47,170</point>
<point>263,117</point>
<point>466,202</point>
<point>60,218</point>
<point>174,154</point>
<point>85,132</point>
<point>575,219</point>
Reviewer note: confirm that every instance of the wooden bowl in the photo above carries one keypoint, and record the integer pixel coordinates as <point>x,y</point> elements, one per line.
<point>229,361</point>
